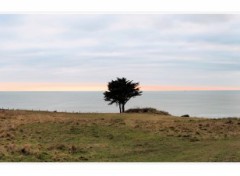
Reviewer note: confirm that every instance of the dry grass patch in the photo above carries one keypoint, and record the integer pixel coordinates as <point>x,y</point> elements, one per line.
<point>48,136</point>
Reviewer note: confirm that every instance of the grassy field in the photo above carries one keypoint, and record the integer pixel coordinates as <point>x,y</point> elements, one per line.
<point>64,137</point>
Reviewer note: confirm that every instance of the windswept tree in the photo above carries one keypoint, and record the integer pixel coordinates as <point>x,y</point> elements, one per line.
<point>120,91</point>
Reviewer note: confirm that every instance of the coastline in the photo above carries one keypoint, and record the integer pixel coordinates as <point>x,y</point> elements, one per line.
<point>195,103</point>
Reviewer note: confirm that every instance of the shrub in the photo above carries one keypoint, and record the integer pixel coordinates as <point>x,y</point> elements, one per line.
<point>147,110</point>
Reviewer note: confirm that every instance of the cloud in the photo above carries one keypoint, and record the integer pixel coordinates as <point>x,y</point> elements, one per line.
<point>177,50</point>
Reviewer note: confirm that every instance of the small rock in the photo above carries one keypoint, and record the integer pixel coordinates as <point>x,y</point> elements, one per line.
<point>185,115</point>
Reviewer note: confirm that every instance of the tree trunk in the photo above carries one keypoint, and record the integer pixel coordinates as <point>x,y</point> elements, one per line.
<point>120,108</point>
<point>123,108</point>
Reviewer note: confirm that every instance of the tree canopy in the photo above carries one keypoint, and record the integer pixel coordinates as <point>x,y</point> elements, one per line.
<point>120,91</point>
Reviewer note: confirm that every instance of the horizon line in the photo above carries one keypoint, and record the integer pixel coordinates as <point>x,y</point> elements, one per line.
<point>74,87</point>
<point>105,90</point>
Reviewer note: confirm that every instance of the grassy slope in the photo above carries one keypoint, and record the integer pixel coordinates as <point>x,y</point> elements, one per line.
<point>44,136</point>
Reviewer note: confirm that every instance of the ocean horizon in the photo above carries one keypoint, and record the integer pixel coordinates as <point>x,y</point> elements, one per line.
<point>212,104</point>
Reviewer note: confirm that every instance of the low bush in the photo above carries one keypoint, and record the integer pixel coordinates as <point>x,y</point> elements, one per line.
<point>147,110</point>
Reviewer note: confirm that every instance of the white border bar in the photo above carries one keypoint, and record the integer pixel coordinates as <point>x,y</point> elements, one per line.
<point>120,6</point>
<point>120,169</point>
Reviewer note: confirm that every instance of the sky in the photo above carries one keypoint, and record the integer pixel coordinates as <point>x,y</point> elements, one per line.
<point>83,52</point>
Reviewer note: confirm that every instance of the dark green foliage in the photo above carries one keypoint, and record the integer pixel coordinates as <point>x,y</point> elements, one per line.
<point>120,91</point>
<point>147,110</point>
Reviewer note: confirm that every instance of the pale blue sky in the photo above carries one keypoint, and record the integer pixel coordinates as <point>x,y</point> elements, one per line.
<point>168,50</point>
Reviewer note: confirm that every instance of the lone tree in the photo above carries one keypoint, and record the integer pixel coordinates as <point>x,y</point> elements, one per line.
<point>120,91</point>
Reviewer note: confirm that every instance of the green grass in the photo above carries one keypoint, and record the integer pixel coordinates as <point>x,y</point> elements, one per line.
<point>62,137</point>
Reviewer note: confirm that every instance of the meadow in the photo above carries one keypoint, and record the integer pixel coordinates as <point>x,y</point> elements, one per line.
<point>38,136</point>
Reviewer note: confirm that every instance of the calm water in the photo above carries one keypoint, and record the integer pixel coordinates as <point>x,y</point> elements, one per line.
<point>195,103</point>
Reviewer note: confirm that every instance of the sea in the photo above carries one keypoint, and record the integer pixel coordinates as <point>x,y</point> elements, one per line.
<point>211,104</point>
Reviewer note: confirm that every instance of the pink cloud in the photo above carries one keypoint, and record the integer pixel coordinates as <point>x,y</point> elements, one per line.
<point>26,86</point>
<point>185,88</point>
